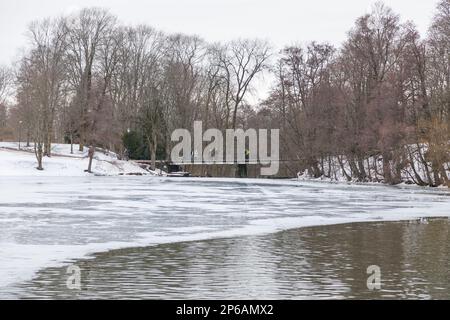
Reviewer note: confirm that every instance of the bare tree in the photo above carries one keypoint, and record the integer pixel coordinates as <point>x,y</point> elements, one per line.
<point>437,128</point>
<point>5,83</point>
<point>47,39</point>
<point>88,31</point>
<point>39,81</point>
<point>242,61</point>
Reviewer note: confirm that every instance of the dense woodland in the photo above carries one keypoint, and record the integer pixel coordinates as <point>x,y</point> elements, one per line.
<point>375,109</point>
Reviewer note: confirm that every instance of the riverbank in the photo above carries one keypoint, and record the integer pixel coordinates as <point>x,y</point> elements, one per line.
<point>412,171</point>
<point>15,162</point>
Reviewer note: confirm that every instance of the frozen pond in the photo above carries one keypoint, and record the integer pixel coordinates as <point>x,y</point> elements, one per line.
<point>46,222</point>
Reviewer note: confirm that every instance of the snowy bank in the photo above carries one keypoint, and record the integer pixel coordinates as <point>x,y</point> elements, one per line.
<point>15,162</point>
<point>414,171</point>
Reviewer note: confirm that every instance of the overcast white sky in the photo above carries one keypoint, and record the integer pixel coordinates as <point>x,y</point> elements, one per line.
<point>281,22</point>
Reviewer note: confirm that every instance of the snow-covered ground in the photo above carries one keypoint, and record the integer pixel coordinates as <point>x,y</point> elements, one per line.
<point>62,163</point>
<point>373,167</point>
<point>48,221</point>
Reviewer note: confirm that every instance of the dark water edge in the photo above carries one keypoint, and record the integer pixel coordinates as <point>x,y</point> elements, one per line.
<point>325,262</point>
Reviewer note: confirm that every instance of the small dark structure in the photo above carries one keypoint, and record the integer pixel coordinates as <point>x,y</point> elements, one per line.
<point>172,170</point>
<point>175,170</point>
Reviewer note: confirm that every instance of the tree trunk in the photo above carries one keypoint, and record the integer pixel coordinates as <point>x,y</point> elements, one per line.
<point>81,146</point>
<point>28,138</point>
<point>387,169</point>
<point>369,174</point>
<point>153,150</point>
<point>418,178</point>
<point>48,146</point>
<point>353,168</point>
<point>362,172</point>
<point>91,156</point>
<point>71,143</point>
<point>425,164</point>
<point>39,154</point>
<point>435,166</point>
<point>341,164</point>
